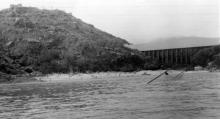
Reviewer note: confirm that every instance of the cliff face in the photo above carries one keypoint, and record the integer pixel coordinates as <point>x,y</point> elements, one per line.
<point>34,37</point>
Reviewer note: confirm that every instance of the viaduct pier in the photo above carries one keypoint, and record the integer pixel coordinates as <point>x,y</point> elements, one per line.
<point>177,50</point>
<point>174,55</point>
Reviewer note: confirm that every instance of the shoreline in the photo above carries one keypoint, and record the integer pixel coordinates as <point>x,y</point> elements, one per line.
<point>82,77</point>
<point>101,75</point>
<point>89,76</point>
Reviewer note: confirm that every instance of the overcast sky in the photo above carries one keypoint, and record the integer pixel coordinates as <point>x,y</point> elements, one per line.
<point>140,21</point>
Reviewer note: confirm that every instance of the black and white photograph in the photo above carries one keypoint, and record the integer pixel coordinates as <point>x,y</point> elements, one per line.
<point>109,59</point>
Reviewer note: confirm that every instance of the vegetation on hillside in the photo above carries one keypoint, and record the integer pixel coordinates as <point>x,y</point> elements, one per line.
<point>51,41</point>
<point>207,55</point>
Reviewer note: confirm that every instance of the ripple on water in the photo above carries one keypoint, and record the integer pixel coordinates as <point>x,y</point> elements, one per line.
<point>195,95</point>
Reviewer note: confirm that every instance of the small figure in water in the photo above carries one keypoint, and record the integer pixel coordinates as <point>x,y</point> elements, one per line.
<point>166,73</point>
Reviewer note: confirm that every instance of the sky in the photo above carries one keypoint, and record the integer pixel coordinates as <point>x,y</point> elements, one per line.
<point>140,21</point>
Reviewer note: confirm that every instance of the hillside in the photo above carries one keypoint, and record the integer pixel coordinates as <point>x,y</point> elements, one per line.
<point>54,41</point>
<point>29,24</point>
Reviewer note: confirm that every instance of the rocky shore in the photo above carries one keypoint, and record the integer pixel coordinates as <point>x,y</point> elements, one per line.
<point>101,75</point>
<point>59,77</point>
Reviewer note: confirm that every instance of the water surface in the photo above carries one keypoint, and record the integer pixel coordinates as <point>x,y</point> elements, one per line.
<point>196,95</point>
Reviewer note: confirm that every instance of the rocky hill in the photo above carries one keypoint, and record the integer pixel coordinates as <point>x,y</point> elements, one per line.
<point>54,41</point>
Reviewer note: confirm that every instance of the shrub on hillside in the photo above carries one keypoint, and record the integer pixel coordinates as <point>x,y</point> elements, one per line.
<point>204,56</point>
<point>217,60</point>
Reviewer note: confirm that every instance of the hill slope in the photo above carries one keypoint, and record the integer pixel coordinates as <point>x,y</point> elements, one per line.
<point>34,25</point>
<point>52,40</point>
